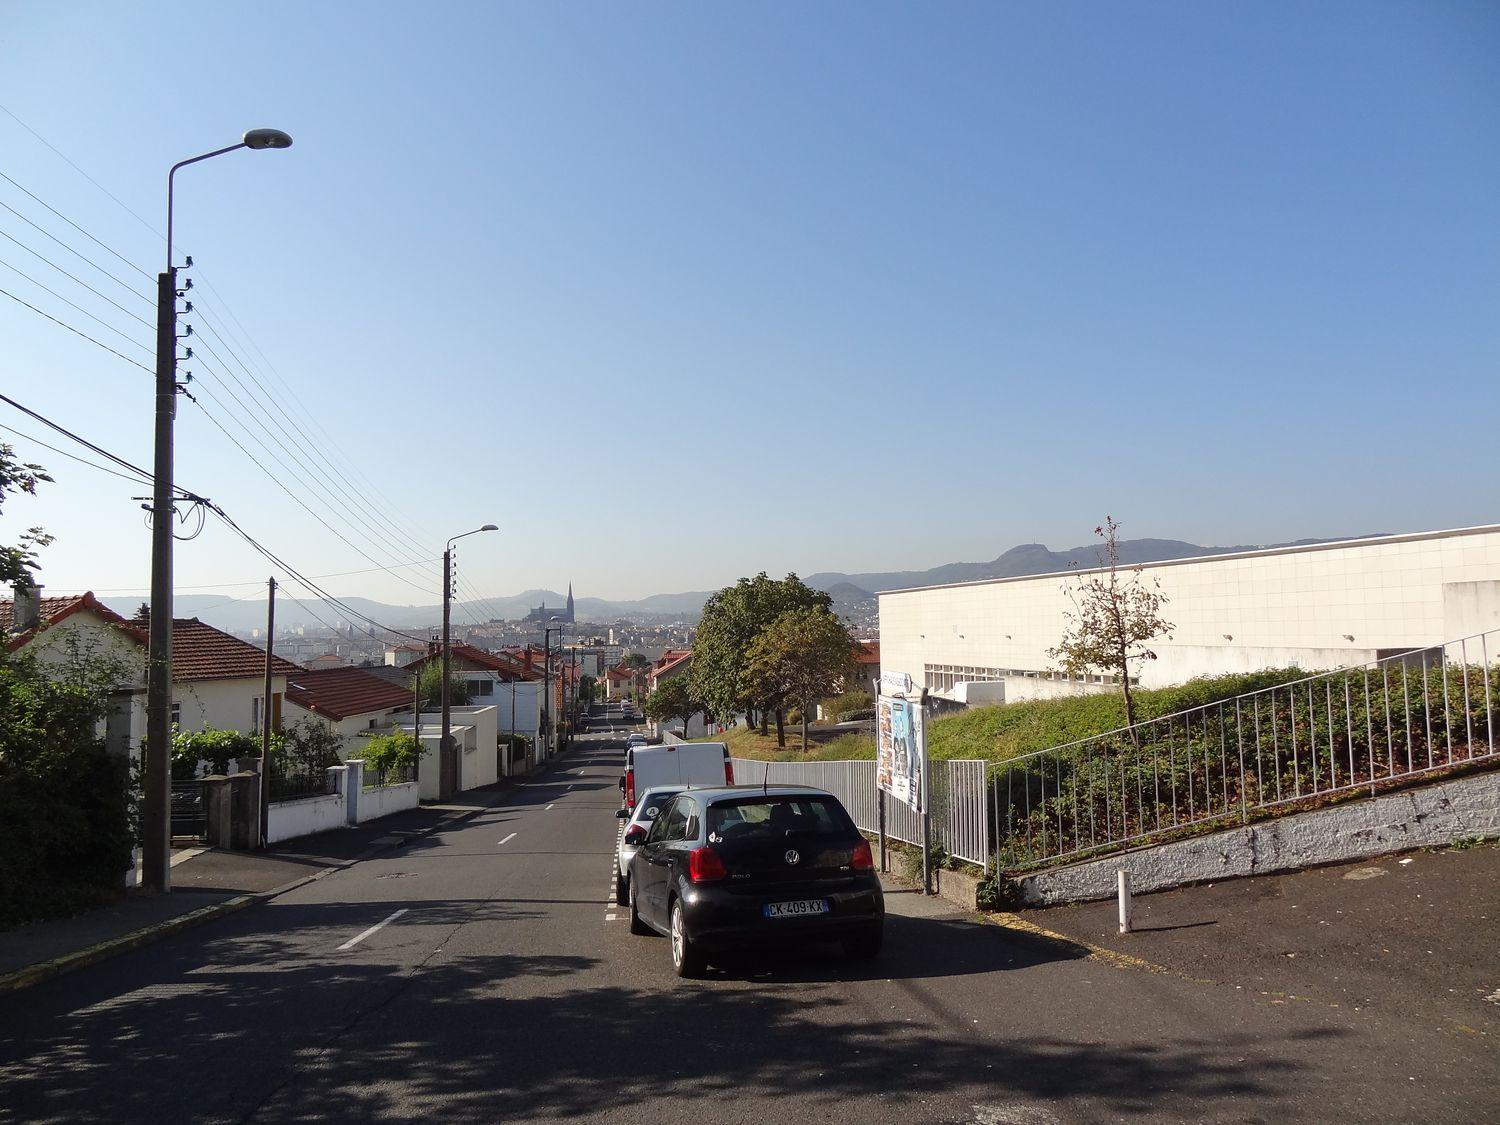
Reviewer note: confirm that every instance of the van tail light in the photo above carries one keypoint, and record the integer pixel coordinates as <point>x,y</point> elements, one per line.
<point>728,772</point>
<point>635,835</point>
<point>862,860</point>
<point>705,866</point>
<point>630,788</point>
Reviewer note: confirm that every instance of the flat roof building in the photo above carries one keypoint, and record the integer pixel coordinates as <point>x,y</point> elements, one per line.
<point>1319,606</point>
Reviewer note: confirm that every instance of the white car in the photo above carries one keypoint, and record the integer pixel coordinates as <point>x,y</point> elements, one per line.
<point>636,827</point>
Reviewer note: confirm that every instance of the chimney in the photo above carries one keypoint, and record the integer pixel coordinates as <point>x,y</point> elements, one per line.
<point>528,658</point>
<point>27,611</point>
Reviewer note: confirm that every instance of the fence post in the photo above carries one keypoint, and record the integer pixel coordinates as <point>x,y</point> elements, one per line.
<point>1126,906</point>
<point>353,789</point>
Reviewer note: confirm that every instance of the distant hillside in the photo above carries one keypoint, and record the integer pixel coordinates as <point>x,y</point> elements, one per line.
<point>1033,558</point>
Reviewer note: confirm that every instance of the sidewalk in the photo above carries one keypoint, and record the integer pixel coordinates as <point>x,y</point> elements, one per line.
<point>211,883</point>
<point>1412,934</point>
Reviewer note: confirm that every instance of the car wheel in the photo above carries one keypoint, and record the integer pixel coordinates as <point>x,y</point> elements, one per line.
<point>622,889</point>
<point>865,946</point>
<point>687,959</point>
<point>637,926</point>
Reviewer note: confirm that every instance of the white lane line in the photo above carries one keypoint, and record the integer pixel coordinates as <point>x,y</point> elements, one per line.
<point>610,917</point>
<point>378,926</point>
<point>569,787</point>
<point>507,840</point>
<point>548,808</point>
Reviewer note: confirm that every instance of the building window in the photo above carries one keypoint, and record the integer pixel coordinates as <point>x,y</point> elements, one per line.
<point>481,687</point>
<point>177,714</point>
<point>255,715</point>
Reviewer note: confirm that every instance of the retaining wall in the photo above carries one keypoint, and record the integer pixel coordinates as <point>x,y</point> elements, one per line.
<point>388,799</point>
<point>1434,815</point>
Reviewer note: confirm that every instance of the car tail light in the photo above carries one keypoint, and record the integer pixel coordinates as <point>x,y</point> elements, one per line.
<point>635,834</point>
<point>630,788</point>
<point>728,772</point>
<point>704,865</point>
<point>862,860</point>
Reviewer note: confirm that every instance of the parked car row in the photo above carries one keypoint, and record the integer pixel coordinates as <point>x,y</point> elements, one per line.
<point>718,867</point>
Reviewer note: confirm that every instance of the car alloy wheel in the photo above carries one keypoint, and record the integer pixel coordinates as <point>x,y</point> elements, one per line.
<point>685,956</point>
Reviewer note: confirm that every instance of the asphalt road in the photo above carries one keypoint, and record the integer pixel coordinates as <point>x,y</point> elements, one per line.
<point>483,974</point>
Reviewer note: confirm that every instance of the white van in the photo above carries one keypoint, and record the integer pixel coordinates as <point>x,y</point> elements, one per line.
<point>685,763</point>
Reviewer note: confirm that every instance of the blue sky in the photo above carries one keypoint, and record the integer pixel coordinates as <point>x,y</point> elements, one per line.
<point>803,287</point>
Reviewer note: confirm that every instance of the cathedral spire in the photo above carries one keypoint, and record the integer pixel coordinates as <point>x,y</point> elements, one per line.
<point>569,611</point>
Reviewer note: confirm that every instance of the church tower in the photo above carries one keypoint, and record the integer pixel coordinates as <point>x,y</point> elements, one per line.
<point>568,613</point>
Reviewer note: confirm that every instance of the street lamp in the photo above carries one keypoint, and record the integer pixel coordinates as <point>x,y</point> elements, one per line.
<point>547,709</point>
<point>156,816</point>
<point>447,752</point>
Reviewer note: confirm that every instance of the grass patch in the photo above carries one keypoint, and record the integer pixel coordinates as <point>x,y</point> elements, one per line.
<point>744,742</point>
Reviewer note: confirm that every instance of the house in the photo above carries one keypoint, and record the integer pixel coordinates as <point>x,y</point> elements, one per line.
<point>673,663</point>
<point>349,701</point>
<point>867,663</point>
<point>399,656</point>
<point>218,681</point>
<point>55,628</point>
<point>327,660</point>
<point>619,682</point>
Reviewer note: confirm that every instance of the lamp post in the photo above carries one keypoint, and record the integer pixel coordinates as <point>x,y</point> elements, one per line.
<point>447,752</point>
<point>156,817</point>
<point>547,708</point>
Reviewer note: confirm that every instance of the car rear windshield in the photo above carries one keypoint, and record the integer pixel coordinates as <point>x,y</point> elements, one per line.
<point>652,804</point>
<point>767,818</point>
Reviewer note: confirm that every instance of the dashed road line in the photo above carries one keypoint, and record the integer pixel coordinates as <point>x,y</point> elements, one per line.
<point>378,926</point>
<point>507,840</point>
<point>548,808</point>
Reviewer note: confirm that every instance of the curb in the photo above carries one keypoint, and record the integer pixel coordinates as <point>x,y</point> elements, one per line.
<point>80,959</point>
<point>68,962</point>
<point>1118,960</point>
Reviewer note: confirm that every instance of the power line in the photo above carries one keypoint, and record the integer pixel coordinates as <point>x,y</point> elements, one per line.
<point>72,277</point>
<point>81,172</point>
<point>223,515</point>
<point>74,305</point>
<point>295,498</point>
<point>74,225</point>
<point>74,456</point>
<point>372,532</point>
<point>81,257</point>
<point>75,331</point>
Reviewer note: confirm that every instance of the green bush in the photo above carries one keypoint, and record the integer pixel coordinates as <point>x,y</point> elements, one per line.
<point>854,716</point>
<point>849,701</point>
<point>209,750</point>
<point>391,757</point>
<point>64,824</point>
<point>301,756</point>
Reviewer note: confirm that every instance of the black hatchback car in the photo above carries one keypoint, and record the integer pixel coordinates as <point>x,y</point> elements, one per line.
<point>747,866</point>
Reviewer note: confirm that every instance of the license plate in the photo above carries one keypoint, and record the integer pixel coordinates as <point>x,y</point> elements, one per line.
<point>795,909</point>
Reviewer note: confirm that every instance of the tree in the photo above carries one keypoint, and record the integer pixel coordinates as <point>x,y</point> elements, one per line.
<point>635,661</point>
<point>674,699</point>
<point>732,620</point>
<point>587,689</point>
<point>430,685</point>
<point>799,659</point>
<point>1111,621</point>
<point>17,562</point>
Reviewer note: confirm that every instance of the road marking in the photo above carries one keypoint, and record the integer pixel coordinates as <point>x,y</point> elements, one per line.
<point>352,942</point>
<point>548,808</point>
<point>610,917</point>
<point>507,840</point>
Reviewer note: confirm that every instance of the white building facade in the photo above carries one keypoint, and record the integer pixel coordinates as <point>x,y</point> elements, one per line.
<point>1317,607</point>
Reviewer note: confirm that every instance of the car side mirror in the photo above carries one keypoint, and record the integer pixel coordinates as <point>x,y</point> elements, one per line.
<point>636,835</point>
<point>622,814</point>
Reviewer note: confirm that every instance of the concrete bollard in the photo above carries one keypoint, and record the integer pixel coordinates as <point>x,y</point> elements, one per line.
<point>1126,909</point>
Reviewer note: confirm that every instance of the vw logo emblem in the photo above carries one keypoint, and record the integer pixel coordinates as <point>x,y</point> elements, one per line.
<point>792,858</point>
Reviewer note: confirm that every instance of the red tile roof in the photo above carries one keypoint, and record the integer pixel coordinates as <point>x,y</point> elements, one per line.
<point>483,659</point>
<point>201,652</point>
<point>867,652</point>
<point>619,672</point>
<point>53,610</point>
<point>671,659</point>
<point>341,692</point>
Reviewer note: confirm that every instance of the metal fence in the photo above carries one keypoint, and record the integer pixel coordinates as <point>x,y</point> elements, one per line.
<point>395,775</point>
<point>955,789</point>
<point>1327,737</point>
<point>189,810</point>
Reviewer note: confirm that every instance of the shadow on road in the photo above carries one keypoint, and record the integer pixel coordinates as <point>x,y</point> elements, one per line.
<point>272,1023</point>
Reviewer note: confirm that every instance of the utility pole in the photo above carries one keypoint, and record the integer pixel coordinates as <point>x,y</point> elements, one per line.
<point>265,716</point>
<point>156,815</point>
<point>447,763</point>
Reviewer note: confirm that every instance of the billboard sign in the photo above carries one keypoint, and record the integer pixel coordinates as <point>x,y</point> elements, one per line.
<point>901,751</point>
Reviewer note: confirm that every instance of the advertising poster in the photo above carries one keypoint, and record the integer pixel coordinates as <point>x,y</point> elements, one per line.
<point>900,751</point>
